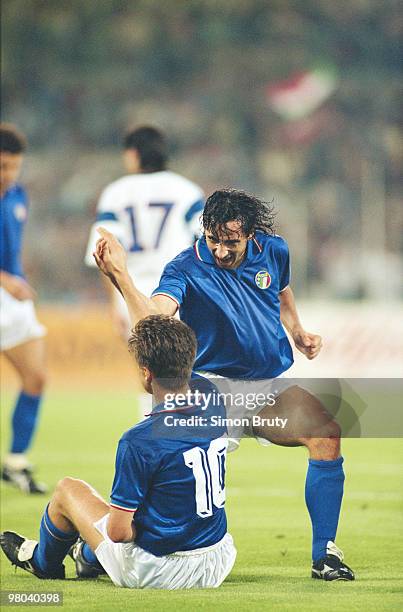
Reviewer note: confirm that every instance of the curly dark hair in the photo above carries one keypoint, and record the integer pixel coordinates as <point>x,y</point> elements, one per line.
<point>11,139</point>
<point>227,205</point>
<point>167,347</point>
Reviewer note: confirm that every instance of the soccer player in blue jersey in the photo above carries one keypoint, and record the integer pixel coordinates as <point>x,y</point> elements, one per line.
<point>21,335</point>
<point>233,290</point>
<point>165,526</point>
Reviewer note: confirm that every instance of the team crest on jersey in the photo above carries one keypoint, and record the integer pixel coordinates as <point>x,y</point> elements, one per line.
<point>263,279</point>
<point>20,212</point>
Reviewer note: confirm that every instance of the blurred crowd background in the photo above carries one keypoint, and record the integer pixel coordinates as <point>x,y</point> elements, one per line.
<point>296,101</point>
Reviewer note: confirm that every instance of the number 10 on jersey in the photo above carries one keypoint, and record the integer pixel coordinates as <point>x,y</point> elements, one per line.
<point>209,473</point>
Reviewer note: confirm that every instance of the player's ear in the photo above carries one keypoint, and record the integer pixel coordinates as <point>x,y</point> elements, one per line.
<point>146,378</point>
<point>146,374</point>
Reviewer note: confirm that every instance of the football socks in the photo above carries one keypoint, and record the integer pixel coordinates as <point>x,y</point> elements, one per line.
<point>24,420</point>
<point>323,496</point>
<point>90,556</point>
<point>53,546</point>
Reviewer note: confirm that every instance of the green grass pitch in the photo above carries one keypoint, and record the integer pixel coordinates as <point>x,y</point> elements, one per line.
<point>266,515</point>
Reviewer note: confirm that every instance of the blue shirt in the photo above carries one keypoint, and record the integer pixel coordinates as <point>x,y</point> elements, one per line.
<point>235,314</point>
<point>173,477</point>
<point>13,214</point>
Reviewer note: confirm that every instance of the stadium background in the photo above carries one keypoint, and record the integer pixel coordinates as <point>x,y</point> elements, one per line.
<point>78,73</point>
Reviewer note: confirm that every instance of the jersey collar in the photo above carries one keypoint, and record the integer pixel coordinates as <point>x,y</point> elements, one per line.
<point>161,410</point>
<point>203,253</point>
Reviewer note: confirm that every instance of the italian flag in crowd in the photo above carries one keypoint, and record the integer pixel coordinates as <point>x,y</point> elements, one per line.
<point>301,94</point>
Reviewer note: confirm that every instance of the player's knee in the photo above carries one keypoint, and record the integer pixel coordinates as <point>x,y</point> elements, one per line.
<point>61,493</point>
<point>58,492</point>
<point>70,488</point>
<point>331,433</point>
<point>334,431</point>
<point>34,382</point>
<point>327,428</point>
<point>65,485</point>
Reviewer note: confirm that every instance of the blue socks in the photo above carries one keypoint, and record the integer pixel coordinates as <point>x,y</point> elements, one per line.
<point>24,421</point>
<point>90,557</point>
<point>323,495</point>
<point>53,546</point>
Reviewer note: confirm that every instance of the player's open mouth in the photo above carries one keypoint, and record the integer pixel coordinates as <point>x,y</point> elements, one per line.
<point>227,261</point>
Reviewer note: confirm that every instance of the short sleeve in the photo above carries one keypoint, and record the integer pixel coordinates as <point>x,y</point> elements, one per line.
<point>132,477</point>
<point>284,265</point>
<point>172,284</point>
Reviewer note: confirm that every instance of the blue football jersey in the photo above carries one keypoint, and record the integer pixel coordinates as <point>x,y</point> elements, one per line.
<point>235,314</point>
<point>173,478</point>
<point>13,214</point>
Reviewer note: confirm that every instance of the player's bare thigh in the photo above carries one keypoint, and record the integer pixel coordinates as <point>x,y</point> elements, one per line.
<point>29,359</point>
<point>77,504</point>
<point>306,419</point>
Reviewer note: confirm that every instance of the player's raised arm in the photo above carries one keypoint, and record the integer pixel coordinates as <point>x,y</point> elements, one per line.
<point>111,259</point>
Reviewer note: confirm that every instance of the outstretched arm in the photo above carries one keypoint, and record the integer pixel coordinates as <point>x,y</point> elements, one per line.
<point>309,344</point>
<point>111,259</point>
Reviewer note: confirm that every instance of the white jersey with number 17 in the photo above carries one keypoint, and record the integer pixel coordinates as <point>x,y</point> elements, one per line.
<point>155,216</point>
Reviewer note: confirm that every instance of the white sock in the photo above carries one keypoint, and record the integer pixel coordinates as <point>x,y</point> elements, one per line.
<point>16,461</point>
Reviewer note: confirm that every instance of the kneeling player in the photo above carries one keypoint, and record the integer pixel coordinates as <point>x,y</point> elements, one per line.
<point>165,526</point>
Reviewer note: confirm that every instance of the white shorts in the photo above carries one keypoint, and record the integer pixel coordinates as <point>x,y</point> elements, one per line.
<point>130,566</point>
<point>252,396</point>
<point>18,322</point>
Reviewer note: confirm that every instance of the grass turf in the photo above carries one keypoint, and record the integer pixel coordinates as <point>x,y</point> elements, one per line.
<point>266,512</point>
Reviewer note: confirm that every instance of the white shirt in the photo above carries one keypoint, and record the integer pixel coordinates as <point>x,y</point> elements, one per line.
<point>154,215</point>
